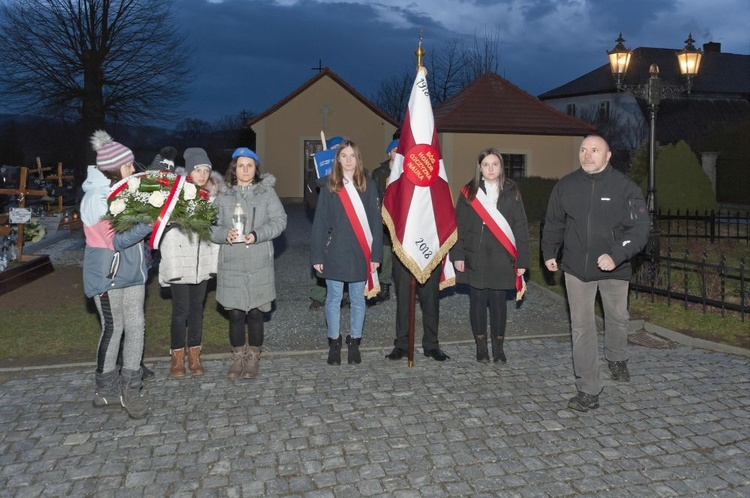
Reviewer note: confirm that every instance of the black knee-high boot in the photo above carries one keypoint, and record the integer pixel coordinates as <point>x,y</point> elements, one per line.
<point>497,349</point>
<point>483,355</point>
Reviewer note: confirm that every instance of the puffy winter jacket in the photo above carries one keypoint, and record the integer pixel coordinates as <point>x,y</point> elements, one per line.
<point>186,260</point>
<point>110,260</point>
<point>246,278</point>
<point>590,215</point>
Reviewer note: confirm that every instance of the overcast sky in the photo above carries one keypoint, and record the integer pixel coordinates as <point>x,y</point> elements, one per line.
<point>249,54</point>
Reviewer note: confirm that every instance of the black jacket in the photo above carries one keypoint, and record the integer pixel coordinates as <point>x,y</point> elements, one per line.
<point>333,241</point>
<point>380,175</point>
<point>590,215</point>
<point>488,265</point>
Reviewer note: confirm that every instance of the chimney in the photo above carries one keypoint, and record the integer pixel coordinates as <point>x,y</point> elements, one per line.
<point>712,47</point>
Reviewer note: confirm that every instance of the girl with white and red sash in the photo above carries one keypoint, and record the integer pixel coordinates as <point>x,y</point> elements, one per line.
<point>492,250</point>
<point>347,246</point>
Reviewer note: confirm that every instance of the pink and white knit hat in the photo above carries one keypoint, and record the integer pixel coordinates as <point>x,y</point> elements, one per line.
<point>110,154</point>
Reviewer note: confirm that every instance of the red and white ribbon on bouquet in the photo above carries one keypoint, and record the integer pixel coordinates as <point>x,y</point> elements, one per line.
<point>166,211</point>
<point>118,187</point>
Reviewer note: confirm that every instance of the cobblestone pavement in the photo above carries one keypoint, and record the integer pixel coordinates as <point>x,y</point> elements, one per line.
<point>681,427</point>
<point>459,428</point>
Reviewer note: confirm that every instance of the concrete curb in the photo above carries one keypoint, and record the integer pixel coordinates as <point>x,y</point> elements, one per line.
<point>266,354</point>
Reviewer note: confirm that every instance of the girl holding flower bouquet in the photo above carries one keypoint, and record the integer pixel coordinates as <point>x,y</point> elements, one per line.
<point>187,264</point>
<point>246,282</point>
<point>114,274</point>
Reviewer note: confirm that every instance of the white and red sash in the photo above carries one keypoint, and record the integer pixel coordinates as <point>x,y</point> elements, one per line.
<point>500,228</point>
<point>355,211</point>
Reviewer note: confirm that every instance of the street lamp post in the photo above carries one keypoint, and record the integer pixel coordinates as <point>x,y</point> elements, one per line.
<point>689,60</point>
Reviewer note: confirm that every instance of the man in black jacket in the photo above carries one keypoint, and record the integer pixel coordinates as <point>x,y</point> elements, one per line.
<point>599,217</point>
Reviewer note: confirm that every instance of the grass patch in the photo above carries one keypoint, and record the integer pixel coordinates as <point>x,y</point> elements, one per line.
<point>69,331</point>
<point>712,326</point>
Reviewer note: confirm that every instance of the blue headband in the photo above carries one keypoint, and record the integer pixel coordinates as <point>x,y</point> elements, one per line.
<point>391,146</point>
<point>245,152</point>
<point>333,141</point>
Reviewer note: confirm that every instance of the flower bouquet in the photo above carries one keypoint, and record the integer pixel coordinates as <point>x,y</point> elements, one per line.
<point>160,198</point>
<point>33,231</point>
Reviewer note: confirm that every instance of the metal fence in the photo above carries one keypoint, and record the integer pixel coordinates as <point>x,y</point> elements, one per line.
<point>681,279</point>
<point>712,226</point>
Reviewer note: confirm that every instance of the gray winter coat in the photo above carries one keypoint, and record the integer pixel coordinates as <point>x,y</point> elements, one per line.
<point>246,277</point>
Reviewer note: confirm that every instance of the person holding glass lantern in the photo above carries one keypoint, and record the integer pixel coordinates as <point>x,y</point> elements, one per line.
<point>250,216</point>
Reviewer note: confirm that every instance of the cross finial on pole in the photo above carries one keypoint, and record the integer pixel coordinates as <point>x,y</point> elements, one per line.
<point>419,52</point>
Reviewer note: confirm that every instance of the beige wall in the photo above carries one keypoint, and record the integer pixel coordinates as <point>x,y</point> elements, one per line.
<point>546,156</point>
<point>280,137</point>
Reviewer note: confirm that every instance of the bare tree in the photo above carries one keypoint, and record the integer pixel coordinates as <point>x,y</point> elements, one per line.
<point>615,127</point>
<point>92,61</point>
<point>450,67</point>
<point>393,95</point>
<point>482,57</point>
<point>446,67</point>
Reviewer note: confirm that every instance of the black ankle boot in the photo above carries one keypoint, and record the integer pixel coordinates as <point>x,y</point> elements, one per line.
<point>353,346</point>
<point>334,351</point>
<point>483,355</point>
<point>497,349</point>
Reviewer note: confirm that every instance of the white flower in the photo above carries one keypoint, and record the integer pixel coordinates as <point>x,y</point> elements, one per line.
<point>133,183</point>
<point>156,199</point>
<point>189,191</point>
<point>117,207</point>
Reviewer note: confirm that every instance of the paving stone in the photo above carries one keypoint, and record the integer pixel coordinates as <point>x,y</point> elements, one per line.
<point>457,428</point>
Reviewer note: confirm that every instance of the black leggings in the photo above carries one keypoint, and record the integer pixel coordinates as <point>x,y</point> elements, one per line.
<point>237,321</point>
<point>479,300</point>
<point>187,311</point>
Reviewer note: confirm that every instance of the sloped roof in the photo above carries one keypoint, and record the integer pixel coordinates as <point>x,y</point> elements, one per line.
<point>719,74</point>
<point>326,72</point>
<point>492,104</point>
<point>692,119</point>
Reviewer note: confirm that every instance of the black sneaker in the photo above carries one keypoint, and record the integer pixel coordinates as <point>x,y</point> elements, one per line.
<point>583,402</point>
<point>619,371</point>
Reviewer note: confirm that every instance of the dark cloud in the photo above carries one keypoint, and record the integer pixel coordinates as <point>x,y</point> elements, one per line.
<point>249,55</point>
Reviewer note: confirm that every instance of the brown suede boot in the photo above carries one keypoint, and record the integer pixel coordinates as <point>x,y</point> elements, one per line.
<point>194,361</point>
<point>238,360</point>
<point>177,369</point>
<point>252,362</point>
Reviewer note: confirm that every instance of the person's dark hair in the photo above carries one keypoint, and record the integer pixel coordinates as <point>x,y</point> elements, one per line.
<point>230,178</point>
<point>114,175</point>
<point>336,178</point>
<point>473,185</point>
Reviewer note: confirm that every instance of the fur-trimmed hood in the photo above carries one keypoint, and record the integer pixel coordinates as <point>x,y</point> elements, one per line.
<point>268,182</point>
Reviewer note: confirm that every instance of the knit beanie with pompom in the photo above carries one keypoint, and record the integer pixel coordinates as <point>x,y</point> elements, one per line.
<point>110,155</point>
